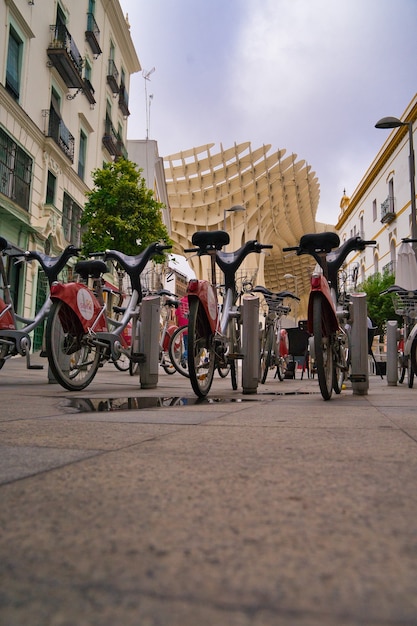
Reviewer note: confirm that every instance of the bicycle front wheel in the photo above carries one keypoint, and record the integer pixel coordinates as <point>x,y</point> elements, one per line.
<point>323,351</point>
<point>73,362</point>
<point>177,350</point>
<point>340,363</point>
<point>266,353</point>
<point>122,363</point>
<point>413,355</point>
<point>201,354</point>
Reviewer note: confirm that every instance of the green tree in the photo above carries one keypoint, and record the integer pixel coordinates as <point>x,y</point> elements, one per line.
<point>121,213</point>
<point>380,307</point>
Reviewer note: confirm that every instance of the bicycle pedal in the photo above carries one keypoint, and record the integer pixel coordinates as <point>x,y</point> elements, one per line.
<point>35,367</point>
<point>139,357</point>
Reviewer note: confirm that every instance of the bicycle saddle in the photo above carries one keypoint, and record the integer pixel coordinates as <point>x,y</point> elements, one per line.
<point>4,244</point>
<point>319,242</point>
<point>93,269</point>
<point>206,239</point>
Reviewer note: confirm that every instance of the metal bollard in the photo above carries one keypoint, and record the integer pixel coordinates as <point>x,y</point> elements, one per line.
<point>149,342</point>
<point>359,345</point>
<point>250,343</point>
<point>392,353</point>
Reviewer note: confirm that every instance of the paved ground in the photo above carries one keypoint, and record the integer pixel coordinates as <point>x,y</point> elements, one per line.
<point>262,510</point>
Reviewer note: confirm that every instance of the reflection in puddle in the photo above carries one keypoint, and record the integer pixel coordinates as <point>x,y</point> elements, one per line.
<point>100,405</point>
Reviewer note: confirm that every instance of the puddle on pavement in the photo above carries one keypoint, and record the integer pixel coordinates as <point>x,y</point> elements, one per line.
<point>100,405</point>
<point>134,403</point>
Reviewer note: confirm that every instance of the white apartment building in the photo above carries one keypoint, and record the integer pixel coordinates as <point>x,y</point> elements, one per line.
<point>380,207</point>
<point>65,71</point>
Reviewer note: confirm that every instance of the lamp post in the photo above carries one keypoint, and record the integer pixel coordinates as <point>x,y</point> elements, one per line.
<point>295,279</point>
<point>394,122</point>
<point>237,208</point>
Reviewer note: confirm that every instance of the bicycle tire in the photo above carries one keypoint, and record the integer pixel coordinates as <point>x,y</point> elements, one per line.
<point>340,365</point>
<point>323,351</point>
<point>73,361</point>
<point>233,374</point>
<point>233,332</point>
<point>413,355</point>
<point>410,374</point>
<point>224,371</point>
<point>122,363</point>
<point>280,371</point>
<point>167,366</point>
<point>176,350</point>
<point>401,368</point>
<point>134,366</point>
<point>266,354</point>
<point>201,353</point>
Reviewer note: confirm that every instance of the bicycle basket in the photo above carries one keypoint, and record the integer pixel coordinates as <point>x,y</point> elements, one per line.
<point>405,304</point>
<point>244,278</point>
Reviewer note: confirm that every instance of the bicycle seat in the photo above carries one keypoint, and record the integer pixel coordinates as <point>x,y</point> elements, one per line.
<point>319,242</point>
<point>210,239</point>
<point>4,244</point>
<point>93,269</point>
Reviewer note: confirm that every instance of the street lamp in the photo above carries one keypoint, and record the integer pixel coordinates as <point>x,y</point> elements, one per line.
<point>237,208</point>
<point>287,276</point>
<point>393,122</point>
<point>295,279</point>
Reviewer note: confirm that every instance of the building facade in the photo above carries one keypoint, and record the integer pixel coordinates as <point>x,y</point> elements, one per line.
<point>64,105</point>
<point>380,207</point>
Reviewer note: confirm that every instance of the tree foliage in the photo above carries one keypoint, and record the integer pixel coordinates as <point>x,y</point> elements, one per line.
<point>121,213</point>
<point>380,307</point>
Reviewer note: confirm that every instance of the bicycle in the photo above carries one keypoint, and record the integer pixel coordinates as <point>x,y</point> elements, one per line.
<point>274,339</point>
<point>80,337</point>
<point>214,332</point>
<point>17,341</point>
<point>405,304</point>
<point>327,314</point>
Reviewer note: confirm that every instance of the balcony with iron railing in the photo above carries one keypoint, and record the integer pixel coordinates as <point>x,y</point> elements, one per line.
<point>89,91</point>
<point>64,56</point>
<point>113,77</point>
<point>388,210</point>
<point>124,100</point>
<point>110,137</point>
<point>389,268</point>
<point>92,35</point>
<point>60,134</point>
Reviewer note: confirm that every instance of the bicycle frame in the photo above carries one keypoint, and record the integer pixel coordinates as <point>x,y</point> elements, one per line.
<point>213,338</point>
<point>14,340</point>
<point>79,324</point>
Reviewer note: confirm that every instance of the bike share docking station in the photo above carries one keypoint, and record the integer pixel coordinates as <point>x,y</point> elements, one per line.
<point>149,341</point>
<point>250,343</point>
<point>359,376</point>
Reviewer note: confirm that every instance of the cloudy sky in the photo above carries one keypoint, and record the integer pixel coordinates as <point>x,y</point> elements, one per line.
<point>310,76</point>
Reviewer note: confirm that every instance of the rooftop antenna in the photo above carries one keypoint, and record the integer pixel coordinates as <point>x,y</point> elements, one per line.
<point>146,75</point>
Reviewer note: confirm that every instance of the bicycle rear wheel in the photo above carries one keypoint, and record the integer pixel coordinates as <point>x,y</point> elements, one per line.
<point>201,354</point>
<point>323,351</point>
<point>73,361</point>
<point>178,350</point>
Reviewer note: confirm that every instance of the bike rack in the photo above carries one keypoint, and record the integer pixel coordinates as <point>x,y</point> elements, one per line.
<point>392,353</point>
<point>149,342</point>
<point>250,343</point>
<point>359,345</point>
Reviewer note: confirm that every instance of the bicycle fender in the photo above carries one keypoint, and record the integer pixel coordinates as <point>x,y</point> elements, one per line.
<point>6,318</point>
<point>206,293</point>
<point>330,321</point>
<point>83,302</point>
<point>409,341</point>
